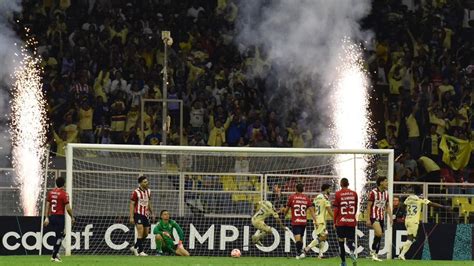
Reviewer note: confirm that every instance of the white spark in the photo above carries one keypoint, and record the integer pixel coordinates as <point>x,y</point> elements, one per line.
<point>351,125</point>
<point>28,129</point>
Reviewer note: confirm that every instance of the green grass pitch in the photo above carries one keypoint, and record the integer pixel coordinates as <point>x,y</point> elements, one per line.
<point>207,261</point>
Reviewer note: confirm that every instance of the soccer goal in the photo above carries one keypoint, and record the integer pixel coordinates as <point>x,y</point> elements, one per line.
<point>212,192</point>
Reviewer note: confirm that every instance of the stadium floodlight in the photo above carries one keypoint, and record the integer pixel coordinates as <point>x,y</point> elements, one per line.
<point>167,41</point>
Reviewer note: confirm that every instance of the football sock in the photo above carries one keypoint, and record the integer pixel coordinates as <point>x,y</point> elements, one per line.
<point>342,251</point>
<point>376,244</point>
<point>406,247</point>
<point>159,242</point>
<point>139,245</point>
<point>321,245</point>
<point>313,244</point>
<point>351,245</point>
<point>299,246</point>
<point>57,245</point>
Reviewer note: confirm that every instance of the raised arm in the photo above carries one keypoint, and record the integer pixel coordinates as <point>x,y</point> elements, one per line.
<point>434,204</point>
<point>412,38</point>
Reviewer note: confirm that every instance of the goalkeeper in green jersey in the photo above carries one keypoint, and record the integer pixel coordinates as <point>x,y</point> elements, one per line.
<point>163,232</point>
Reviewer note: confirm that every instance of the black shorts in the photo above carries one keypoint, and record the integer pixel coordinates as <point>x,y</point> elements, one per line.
<point>298,229</point>
<point>381,222</point>
<point>56,223</point>
<point>345,232</point>
<point>141,219</point>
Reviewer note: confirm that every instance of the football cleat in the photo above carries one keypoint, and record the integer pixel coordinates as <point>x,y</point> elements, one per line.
<point>256,241</point>
<point>353,258</point>
<point>375,258</point>
<point>301,256</point>
<point>134,251</point>
<point>56,259</point>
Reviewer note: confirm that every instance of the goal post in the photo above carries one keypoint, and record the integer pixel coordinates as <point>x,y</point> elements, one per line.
<point>211,191</point>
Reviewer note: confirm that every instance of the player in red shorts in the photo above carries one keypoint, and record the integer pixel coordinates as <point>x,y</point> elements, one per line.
<point>377,207</point>
<point>299,205</point>
<point>345,211</point>
<point>57,203</point>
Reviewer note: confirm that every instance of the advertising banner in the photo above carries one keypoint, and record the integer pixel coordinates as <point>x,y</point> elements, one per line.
<point>218,236</point>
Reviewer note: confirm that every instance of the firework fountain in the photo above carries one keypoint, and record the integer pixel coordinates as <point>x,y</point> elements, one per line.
<point>314,48</point>
<point>351,127</point>
<point>28,128</point>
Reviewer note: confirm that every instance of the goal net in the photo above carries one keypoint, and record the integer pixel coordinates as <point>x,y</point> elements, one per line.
<point>212,192</point>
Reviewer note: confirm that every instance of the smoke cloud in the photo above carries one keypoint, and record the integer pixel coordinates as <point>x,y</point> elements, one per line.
<point>8,49</point>
<point>303,41</point>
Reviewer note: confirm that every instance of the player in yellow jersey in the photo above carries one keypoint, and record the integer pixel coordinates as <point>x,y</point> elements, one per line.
<point>323,209</point>
<point>265,210</point>
<point>414,205</point>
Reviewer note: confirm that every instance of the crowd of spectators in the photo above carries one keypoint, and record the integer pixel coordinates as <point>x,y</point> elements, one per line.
<point>423,65</point>
<point>102,57</point>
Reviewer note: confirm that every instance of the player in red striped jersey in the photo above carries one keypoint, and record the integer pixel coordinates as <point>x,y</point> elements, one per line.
<point>377,207</point>
<point>299,204</point>
<point>345,211</point>
<point>140,211</point>
<point>57,203</point>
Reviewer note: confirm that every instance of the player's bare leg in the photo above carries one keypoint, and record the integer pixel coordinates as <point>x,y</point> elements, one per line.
<point>377,239</point>
<point>406,246</point>
<point>181,251</point>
